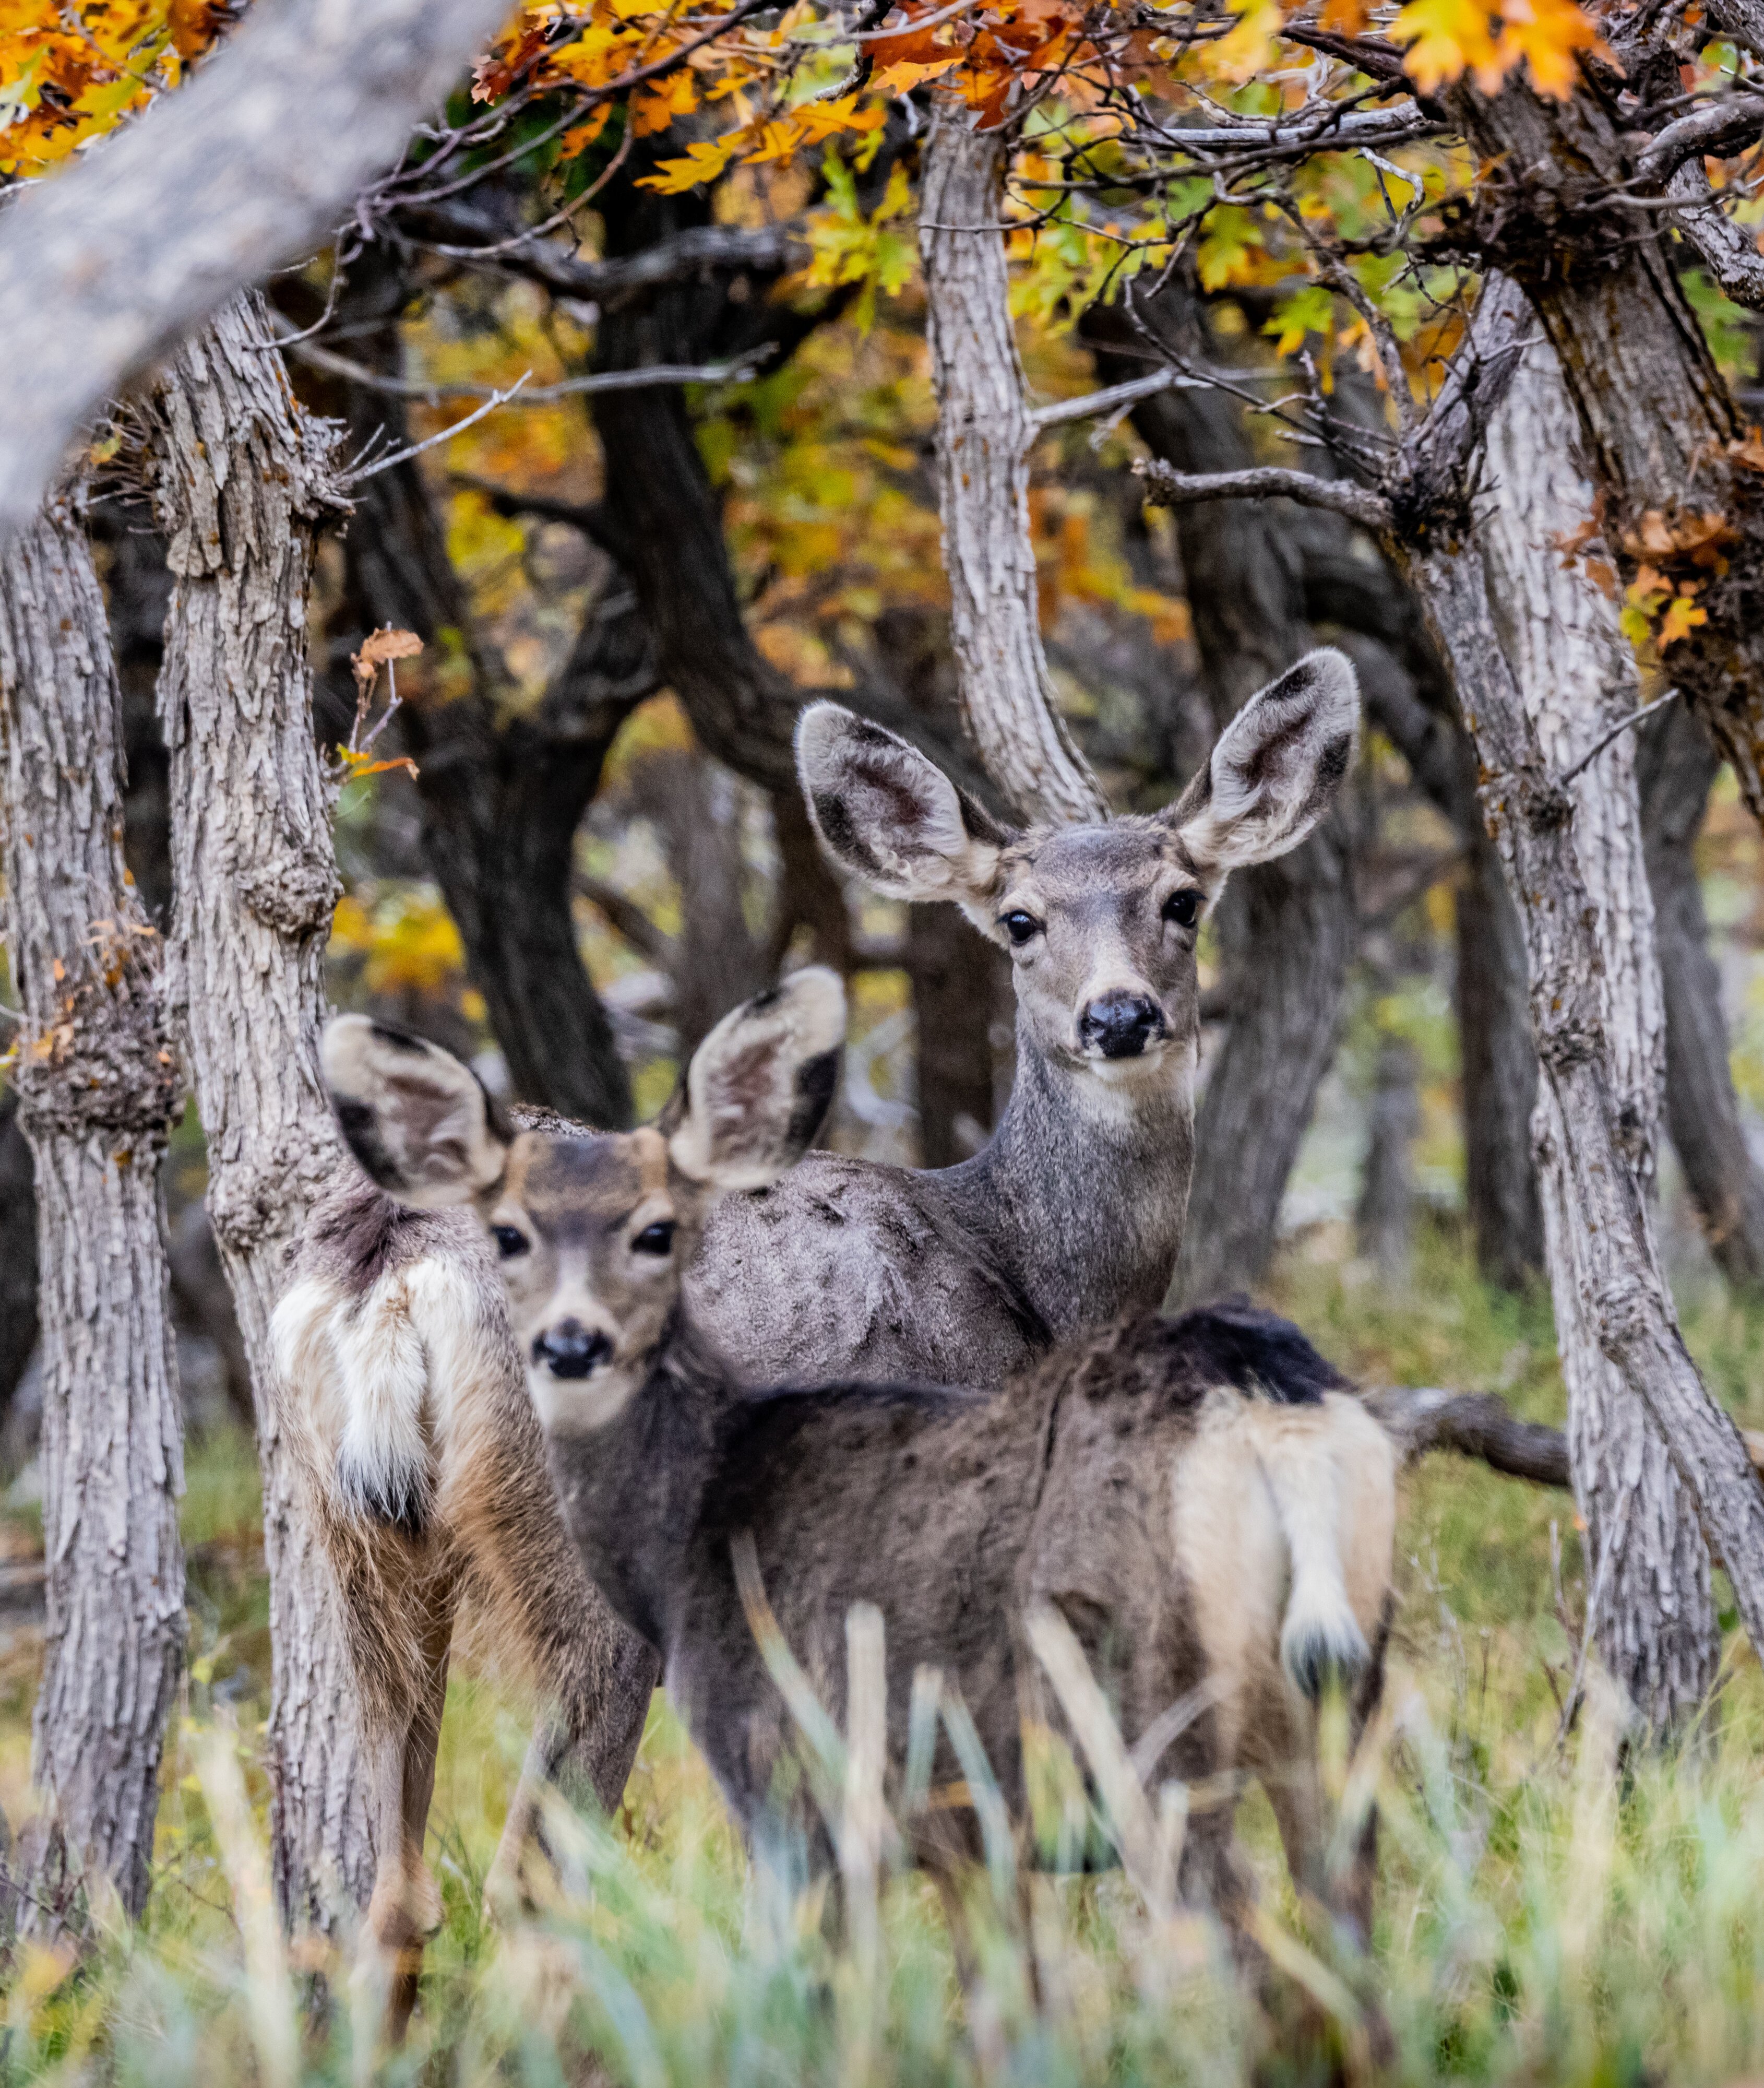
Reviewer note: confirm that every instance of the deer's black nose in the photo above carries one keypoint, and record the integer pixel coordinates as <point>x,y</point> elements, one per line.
<point>568,1350</point>
<point>1120,1023</point>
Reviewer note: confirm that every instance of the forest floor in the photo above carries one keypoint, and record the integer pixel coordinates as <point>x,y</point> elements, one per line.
<point>1548,1911</point>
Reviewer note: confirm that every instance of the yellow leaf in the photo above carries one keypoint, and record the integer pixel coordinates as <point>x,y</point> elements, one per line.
<point>1682,616</point>
<point>1443,37</point>
<point>1546,34</point>
<point>901,78</point>
<point>1246,50</point>
<point>702,163</point>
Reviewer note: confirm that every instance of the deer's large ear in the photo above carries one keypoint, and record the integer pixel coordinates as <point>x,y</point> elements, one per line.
<point>759,1088</point>
<point>894,819</point>
<point>418,1120</point>
<point>1274,768</point>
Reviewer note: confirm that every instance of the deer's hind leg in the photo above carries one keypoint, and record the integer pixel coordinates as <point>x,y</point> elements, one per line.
<point>401,1736</point>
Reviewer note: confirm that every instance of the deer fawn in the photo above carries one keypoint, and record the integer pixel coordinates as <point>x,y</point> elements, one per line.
<point>402,1381</point>
<point>1201,1498</point>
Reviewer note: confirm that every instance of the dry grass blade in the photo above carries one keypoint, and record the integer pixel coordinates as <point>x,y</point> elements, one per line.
<point>269,1988</point>
<point>1146,1855</point>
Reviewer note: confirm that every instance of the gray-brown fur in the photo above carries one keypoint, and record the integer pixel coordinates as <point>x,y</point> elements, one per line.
<point>1074,1212</point>
<point>1206,1508</point>
<point>955,1513</point>
<point>470,1528</point>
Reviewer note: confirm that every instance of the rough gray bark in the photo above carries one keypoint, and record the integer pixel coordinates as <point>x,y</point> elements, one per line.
<point>1384,1218</point>
<point>17,1251</point>
<point>1655,417</point>
<point>1409,697</point>
<point>984,435</point>
<point>98,1087</point>
<point>242,483</point>
<point>1498,1071</point>
<point>247,167</point>
<point>1623,1291</point>
<point>1530,815</point>
<point>1654,1625</point>
<point>1676,766</point>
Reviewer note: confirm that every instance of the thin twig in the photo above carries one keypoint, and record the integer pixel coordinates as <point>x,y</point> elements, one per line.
<point>1623,724</point>
<point>1115,396</point>
<point>735,372</point>
<point>363,472</point>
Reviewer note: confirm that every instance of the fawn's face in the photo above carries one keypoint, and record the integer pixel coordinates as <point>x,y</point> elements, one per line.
<point>593,1232</point>
<point>592,1235</point>
<point>1100,919</point>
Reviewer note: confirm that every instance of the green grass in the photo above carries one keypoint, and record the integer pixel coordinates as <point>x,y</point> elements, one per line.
<point>1547,1912</point>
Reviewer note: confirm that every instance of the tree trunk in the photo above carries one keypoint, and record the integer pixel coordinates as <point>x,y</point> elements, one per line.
<point>984,436</point>
<point>247,167</point>
<point>18,1252</point>
<point>98,1091</point>
<point>502,791</point>
<point>1656,417</point>
<point>959,982</point>
<point>1624,1294</point>
<point>1384,1219</point>
<point>1676,765</point>
<point>241,482</point>
<point>1654,1620</point>
<point>1409,697</point>
<point>1498,1073</point>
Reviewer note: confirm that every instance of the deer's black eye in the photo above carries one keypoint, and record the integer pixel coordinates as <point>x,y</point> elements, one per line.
<point>509,1241</point>
<point>1021,926</point>
<point>1183,908</point>
<point>657,1239</point>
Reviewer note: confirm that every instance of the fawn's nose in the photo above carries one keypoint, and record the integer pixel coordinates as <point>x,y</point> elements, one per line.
<point>571,1350</point>
<point>1120,1024</point>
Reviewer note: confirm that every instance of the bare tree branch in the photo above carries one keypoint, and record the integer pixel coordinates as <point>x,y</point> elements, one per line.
<point>1730,249</point>
<point>1718,127</point>
<point>984,436</point>
<point>1167,488</point>
<point>245,169</point>
<point>1481,1425</point>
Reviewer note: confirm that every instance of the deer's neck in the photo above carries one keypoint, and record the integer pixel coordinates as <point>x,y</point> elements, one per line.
<point>630,1491</point>
<point>1083,1190</point>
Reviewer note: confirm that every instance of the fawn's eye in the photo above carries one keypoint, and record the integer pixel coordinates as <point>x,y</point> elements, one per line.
<point>1183,908</point>
<point>509,1241</point>
<point>657,1239</point>
<point>1020,926</point>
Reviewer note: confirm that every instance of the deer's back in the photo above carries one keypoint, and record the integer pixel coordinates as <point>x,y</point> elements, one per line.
<point>846,1268</point>
<point>917,1499</point>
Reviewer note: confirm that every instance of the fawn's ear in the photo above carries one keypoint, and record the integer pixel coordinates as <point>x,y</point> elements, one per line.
<point>1274,767</point>
<point>893,818</point>
<point>418,1120</point>
<point>759,1085</point>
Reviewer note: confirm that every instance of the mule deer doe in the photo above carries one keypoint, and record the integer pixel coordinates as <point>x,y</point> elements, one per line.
<point>403,1384</point>
<point>1201,1498</point>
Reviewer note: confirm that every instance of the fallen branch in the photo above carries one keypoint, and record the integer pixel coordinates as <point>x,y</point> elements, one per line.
<point>1481,1425</point>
